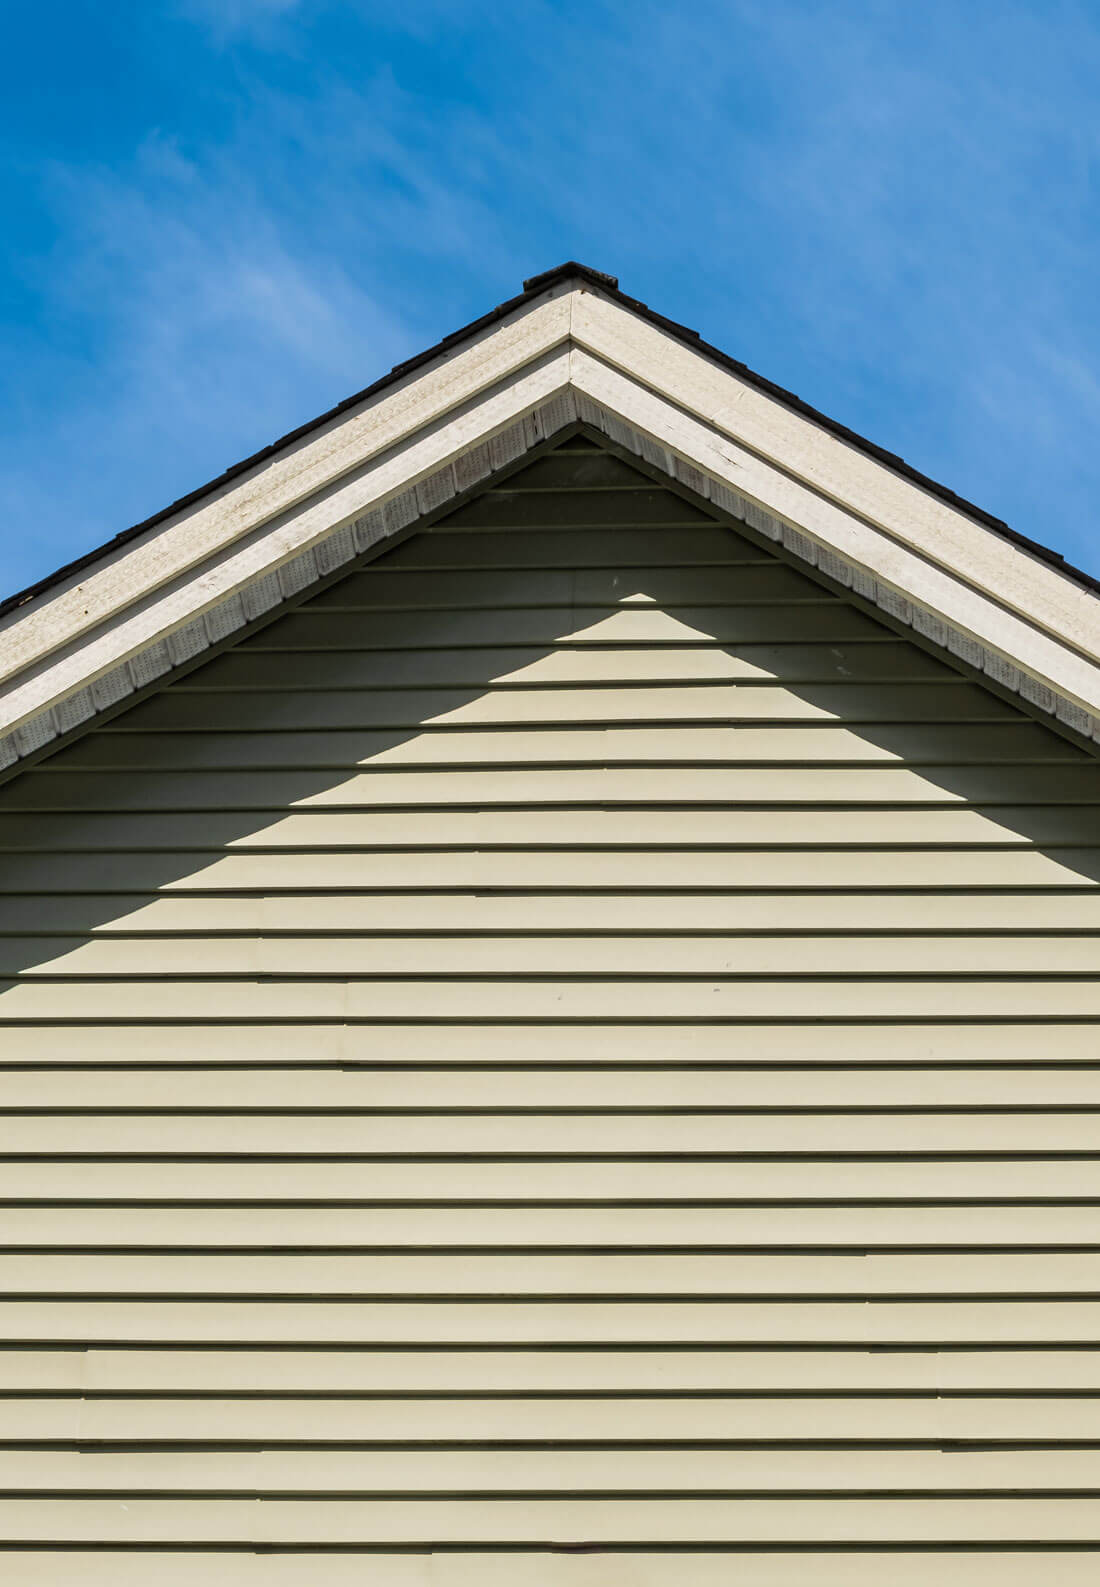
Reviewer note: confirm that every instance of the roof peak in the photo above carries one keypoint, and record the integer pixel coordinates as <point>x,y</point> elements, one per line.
<point>567,272</point>
<point>572,349</point>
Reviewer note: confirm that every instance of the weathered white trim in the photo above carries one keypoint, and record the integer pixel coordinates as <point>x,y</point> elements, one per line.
<point>825,527</point>
<point>262,558</point>
<point>763,430</point>
<point>269,589</point>
<point>845,573</point>
<point>305,472</point>
<point>167,596</point>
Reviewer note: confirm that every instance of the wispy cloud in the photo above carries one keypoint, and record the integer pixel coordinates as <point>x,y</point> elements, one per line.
<point>226,17</point>
<point>215,329</point>
<point>888,210</point>
<point>894,212</point>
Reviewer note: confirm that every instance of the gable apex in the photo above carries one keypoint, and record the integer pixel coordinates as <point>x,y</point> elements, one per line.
<point>571,349</point>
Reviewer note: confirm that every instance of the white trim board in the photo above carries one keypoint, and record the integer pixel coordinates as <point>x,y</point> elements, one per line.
<point>185,585</point>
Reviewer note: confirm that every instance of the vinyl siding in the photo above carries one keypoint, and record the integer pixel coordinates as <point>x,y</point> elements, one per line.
<point>569,1058</point>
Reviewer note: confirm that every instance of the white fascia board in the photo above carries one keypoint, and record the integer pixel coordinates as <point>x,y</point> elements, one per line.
<point>190,582</point>
<point>306,470</point>
<point>837,471</point>
<point>152,615</point>
<point>915,577</point>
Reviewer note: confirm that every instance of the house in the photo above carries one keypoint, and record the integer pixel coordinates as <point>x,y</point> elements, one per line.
<point>549,1009</point>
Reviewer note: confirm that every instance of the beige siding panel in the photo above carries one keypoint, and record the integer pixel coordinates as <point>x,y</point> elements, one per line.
<point>301,1567</point>
<point>1003,743</point>
<point>638,621</point>
<point>442,1274</point>
<point>549,1321</point>
<point>854,1371</point>
<point>205,955</point>
<point>674,1086</point>
<point>510,786</point>
<point>191,708</point>
<point>473,1471</point>
<point>563,1134</point>
<point>799,1227</point>
<point>561,1417</point>
<point>399,585</point>
<point>541,1273</point>
<point>513,999</point>
<point>142,915</point>
<point>576,988</point>
<point>517,505</point>
<point>268,1040</point>
<point>574,465</point>
<point>535,1521</point>
<point>698,829</point>
<point>785,1179</point>
<point>251,668</point>
<point>631,544</point>
<point>512,508</point>
<point>708,870</point>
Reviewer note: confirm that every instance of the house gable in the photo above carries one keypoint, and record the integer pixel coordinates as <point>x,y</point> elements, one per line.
<point>571,349</point>
<point>580,668</point>
<point>567,1045</point>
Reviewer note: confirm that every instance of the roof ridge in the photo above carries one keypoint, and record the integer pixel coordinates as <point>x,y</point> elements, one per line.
<point>533,286</point>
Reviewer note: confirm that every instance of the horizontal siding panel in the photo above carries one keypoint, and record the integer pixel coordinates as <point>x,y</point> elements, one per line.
<point>549,1322</point>
<point>1060,1566</point>
<point>537,1521</point>
<point>227,710</point>
<point>801,1226</point>
<point>927,867</point>
<point>474,1471</point>
<point>638,915</point>
<point>269,1040</point>
<point>474,1421</point>
<point>784,1179</point>
<point>510,509</point>
<point>609,1372</point>
<point>586,664</point>
<point>203,955</point>
<point>399,585</point>
<point>566,468</point>
<point>977,825</point>
<point>575,621</point>
<point>639,542</point>
<point>516,1134</point>
<point>548,1275</point>
<point>511,786</point>
<point>947,743</point>
<point>676,1086</point>
<point>1009,998</point>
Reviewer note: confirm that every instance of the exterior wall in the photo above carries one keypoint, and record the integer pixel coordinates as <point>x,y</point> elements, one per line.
<point>577,1036</point>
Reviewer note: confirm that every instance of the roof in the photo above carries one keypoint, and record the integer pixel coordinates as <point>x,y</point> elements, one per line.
<point>601,351</point>
<point>570,270</point>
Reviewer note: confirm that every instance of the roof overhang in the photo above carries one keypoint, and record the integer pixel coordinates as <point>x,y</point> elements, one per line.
<point>571,349</point>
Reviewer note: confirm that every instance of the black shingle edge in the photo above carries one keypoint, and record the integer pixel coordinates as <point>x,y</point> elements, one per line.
<point>532,287</point>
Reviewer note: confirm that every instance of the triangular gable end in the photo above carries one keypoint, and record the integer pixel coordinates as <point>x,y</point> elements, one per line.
<point>580,684</point>
<point>574,1042</point>
<point>571,352</point>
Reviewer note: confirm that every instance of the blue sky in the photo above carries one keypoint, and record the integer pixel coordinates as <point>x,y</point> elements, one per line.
<point>222,216</point>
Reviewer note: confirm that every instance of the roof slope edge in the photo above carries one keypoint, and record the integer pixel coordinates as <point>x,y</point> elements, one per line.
<point>570,347</point>
<point>533,287</point>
